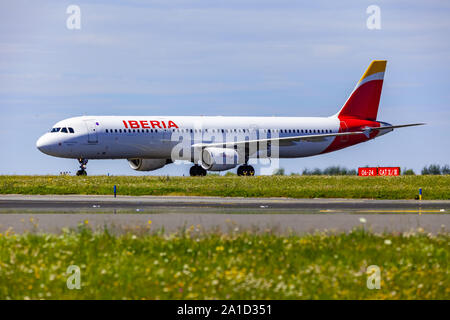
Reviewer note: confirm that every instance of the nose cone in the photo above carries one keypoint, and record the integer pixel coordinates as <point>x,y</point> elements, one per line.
<point>43,144</point>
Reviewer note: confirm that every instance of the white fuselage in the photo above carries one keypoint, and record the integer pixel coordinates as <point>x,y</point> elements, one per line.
<point>117,137</point>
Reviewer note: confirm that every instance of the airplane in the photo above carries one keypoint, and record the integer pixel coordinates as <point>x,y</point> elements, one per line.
<point>218,143</point>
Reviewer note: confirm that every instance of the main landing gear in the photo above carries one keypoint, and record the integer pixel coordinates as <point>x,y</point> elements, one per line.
<point>196,170</point>
<point>82,171</point>
<point>245,170</point>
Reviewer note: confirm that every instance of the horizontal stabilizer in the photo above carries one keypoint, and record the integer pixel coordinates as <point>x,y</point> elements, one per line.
<point>367,131</point>
<point>399,126</point>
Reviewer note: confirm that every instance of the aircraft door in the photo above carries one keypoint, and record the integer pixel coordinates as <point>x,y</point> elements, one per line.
<point>92,126</point>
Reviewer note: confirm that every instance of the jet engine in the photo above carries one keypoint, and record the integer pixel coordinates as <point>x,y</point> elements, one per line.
<point>219,159</point>
<point>147,164</point>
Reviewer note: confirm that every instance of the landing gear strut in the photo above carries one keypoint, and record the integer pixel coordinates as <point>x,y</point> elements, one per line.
<point>83,163</point>
<point>196,170</point>
<point>245,170</point>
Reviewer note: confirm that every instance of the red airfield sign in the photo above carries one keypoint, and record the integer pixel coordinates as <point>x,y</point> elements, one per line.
<point>379,171</point>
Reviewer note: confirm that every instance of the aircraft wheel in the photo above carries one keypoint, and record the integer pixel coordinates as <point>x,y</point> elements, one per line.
<point>197,171</point>
<point>246,170</point>
<point>81,173</point>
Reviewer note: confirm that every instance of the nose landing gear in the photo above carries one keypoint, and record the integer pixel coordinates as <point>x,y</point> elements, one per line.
<point>83,163</point>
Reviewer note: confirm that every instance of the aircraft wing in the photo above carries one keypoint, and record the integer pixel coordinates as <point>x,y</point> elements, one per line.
<point>281,141</point>
<point>289,140</point>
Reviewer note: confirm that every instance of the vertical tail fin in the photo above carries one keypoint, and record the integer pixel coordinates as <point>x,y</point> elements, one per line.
<point>365,98</point>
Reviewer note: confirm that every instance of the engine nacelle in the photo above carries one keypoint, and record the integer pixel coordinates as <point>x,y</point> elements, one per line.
<point>147,164</point>
<point>219,159</point>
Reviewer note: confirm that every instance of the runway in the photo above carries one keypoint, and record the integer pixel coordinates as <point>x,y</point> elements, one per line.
<point>80,202</point>
<point>205,214</point>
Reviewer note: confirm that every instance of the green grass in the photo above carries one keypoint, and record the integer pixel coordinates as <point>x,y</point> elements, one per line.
<point>193,265</point>
<point>404,187</point>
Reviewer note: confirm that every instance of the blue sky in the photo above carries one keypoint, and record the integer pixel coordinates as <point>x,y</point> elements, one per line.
<point>246,57</point>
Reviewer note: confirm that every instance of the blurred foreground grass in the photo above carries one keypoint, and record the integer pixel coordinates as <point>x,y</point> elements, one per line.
<point>403,187</point>
<point>195,265</point>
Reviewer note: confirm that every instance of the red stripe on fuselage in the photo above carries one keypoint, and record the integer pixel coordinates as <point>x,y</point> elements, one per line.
<point>352,125</point>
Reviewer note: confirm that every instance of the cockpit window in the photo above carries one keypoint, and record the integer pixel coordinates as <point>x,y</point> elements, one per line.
<point>63,130</point>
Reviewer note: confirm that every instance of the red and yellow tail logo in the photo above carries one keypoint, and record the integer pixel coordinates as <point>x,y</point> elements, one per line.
<point>365,98</point>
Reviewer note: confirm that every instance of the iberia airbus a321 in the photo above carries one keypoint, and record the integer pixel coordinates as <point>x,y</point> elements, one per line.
<point>220,143</point>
